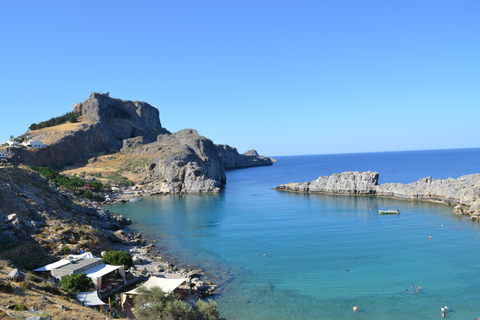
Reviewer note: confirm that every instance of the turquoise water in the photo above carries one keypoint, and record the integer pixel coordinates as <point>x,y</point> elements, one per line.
<point>296,256</point>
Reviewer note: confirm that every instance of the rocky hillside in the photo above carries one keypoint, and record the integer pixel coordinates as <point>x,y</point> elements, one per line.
<point>463,192</point>
<point>34,298</point>
<point>182,162</point>
<point>39,221</point>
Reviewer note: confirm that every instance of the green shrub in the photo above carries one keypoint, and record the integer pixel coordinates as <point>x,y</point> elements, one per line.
<point>120,179</point>
<point>24,285</point>
<point>74,183</point>
<point>6,287</point>
<point>69,116</point>
<point>118,258</point>
<point>76,282</point>
<point>20,307</point>
<point>159,305</point>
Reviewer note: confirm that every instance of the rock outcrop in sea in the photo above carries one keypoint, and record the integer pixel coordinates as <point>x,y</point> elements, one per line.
<point>464,192</point>
<point>182,162</point>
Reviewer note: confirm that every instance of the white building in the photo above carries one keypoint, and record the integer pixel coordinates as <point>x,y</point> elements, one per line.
<point>12,142</point>
<point>34,144</point>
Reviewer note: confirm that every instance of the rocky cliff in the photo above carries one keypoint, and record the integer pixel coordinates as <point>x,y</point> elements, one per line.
<point>233,160</point>
<point>182,162</point>
<point>38,219</point>
<point>463,191</point>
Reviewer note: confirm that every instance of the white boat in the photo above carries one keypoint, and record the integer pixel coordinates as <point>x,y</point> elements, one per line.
<point>396,211</point>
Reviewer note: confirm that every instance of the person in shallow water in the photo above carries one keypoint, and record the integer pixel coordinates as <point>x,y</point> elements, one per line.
<point>355,308</point>
<point>444,310</point>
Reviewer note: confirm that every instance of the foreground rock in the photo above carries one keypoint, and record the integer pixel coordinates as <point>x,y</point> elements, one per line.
<point>464,192</point>
<point>40,221</point>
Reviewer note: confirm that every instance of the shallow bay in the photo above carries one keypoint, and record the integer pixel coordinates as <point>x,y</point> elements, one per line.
<point>284,256</point>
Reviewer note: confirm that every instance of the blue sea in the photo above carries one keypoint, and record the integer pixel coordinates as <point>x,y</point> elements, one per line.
<point>279,255</point>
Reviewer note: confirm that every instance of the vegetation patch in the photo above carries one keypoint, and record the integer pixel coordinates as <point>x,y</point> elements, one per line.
<point>118,258</point>
<point>77,185</point>
<point>120,179</point>
<point>76,282</point>
<point>71,117</point>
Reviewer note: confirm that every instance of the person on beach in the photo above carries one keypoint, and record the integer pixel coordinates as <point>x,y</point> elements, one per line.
<point>355,308</point>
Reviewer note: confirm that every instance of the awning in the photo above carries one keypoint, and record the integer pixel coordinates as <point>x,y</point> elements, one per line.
<point>54,265</point>
<point>100,270</point>
<point>90,299</point>
<point>167,285</point>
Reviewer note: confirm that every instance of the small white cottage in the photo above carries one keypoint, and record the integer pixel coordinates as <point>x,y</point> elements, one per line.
<point>34,144</point>
<point>12,142</point>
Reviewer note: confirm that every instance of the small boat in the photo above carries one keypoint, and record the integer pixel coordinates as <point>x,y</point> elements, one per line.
<point>396,211</point>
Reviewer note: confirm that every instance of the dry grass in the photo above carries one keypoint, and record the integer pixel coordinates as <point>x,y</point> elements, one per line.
<point>31,293</point>
<point>51,135</point>
<point>118,163</point>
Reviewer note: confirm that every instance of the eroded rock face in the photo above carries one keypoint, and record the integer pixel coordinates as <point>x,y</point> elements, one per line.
<point>344,183</point>
<point>106,123</point>
<point>464,191</point>
<point>184,162</point>
<point>233,160</point>
<point>101,108</point>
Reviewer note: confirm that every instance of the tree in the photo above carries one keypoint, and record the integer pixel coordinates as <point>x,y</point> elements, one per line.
<point>118,258</point>
<point>208,310</point>
<point>154,303</point>
<point>76,282</point>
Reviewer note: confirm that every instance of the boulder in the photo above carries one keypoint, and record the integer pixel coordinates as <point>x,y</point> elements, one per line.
<point>16,275</point>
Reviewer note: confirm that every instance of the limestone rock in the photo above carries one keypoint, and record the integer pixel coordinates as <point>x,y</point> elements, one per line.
<point>107,122</point>
<point>233,160</point>
<point>16,275</point>
<point>463,191</point>
<point>354,183</point>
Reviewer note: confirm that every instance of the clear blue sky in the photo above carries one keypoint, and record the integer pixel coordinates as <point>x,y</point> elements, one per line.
<point>281,77</point>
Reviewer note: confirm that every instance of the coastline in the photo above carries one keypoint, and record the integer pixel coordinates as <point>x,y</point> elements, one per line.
<point>150,262</point>
<point>461,192</point>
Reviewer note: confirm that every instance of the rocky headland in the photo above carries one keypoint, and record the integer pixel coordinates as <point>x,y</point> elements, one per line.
<point>463,192</point>
<point>126,138</point>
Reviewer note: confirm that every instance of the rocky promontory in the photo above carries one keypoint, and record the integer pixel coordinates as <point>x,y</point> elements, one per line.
<point>126,138</point>
<point>464,192</point>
